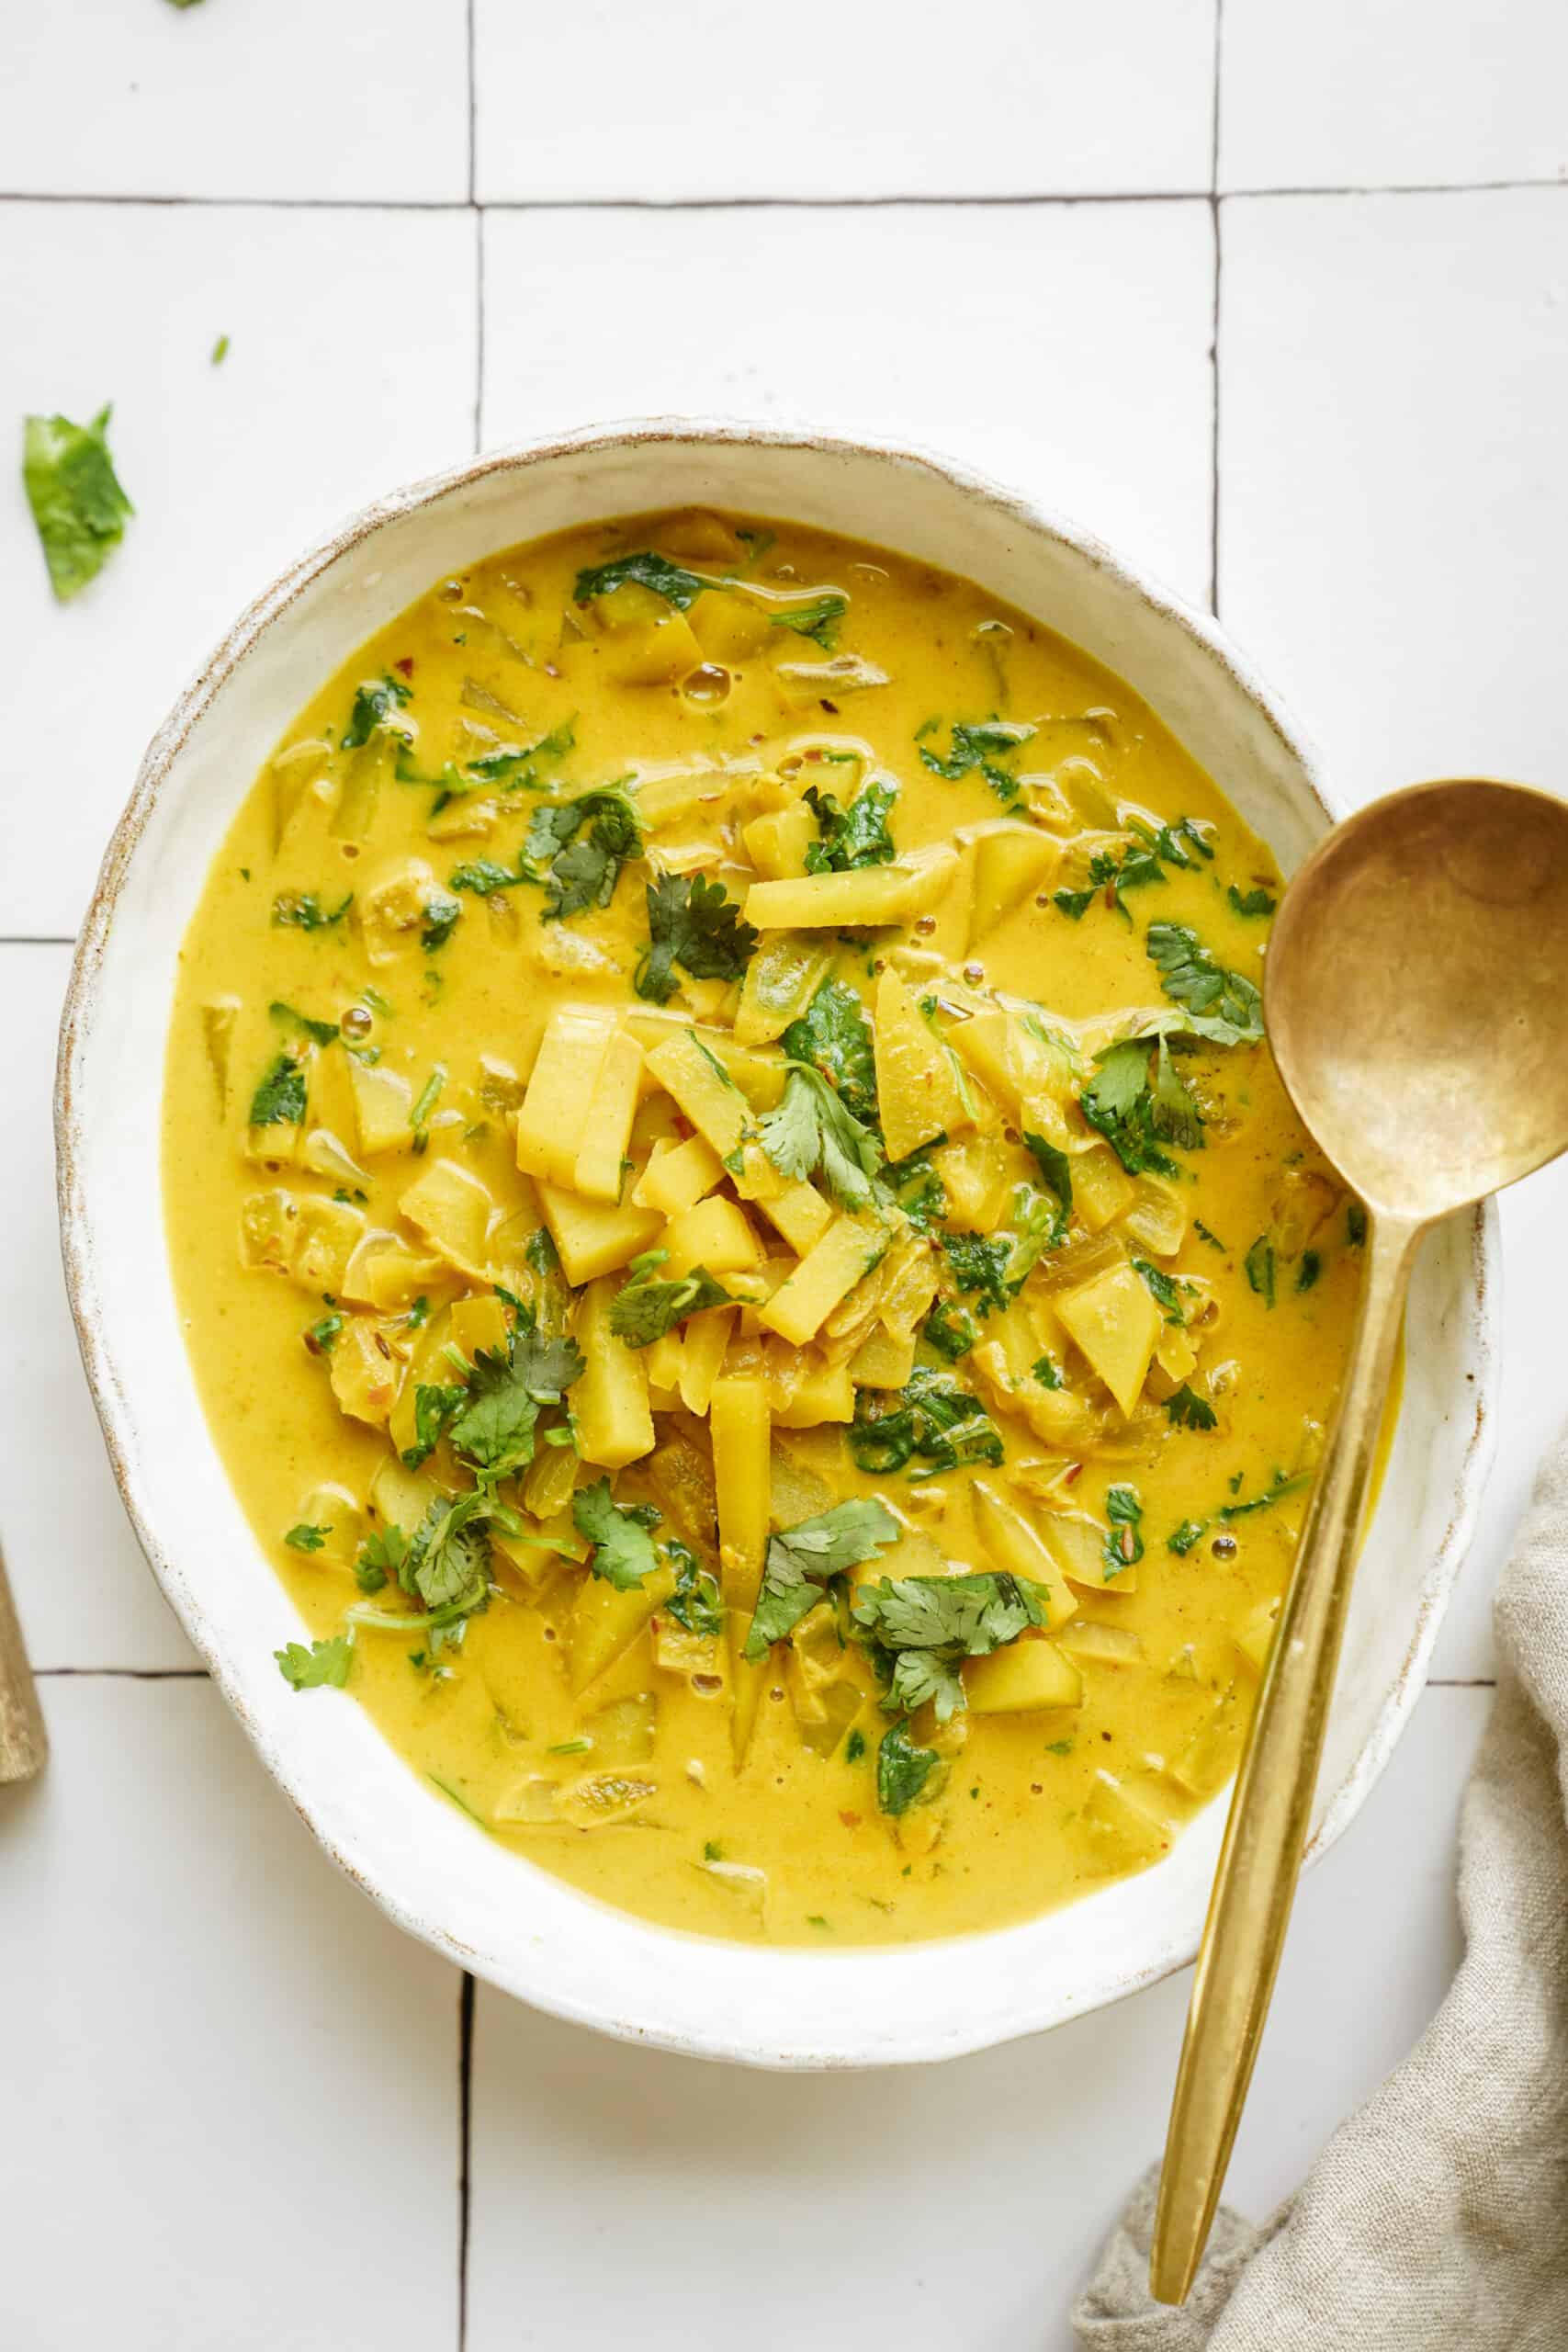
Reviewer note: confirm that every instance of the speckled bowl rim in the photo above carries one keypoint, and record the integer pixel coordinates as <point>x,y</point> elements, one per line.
<point>98,1355</point>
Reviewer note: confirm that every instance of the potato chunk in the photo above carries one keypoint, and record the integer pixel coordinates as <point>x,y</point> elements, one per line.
<point>829,1271</point>
<point>713,1234</point>
<point>453,1211</point>
<point>366,1375</point>
<point>593,1237</point>
<point>1026,1675</point>
<point>1019,1551</point>
<point>868,896</point>
<point>917,1086</point>
<point>554,1115</point>
<point>676,1180</point>
<point>1115,1323</point>
<point>609,1403</point>
<point>383,1108</point>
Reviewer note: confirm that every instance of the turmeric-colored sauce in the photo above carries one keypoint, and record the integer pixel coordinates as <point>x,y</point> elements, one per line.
<point>739,1238</point>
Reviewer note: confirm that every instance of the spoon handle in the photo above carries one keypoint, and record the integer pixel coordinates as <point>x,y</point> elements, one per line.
<point>1271,1813</point>
<point>23,1742</point>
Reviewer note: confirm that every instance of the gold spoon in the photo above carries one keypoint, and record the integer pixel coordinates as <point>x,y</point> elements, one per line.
<point>23,1742</point>
<point>1416,997</point>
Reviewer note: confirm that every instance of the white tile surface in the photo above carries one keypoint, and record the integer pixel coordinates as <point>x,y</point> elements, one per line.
<point>1038,98</point>
<point>1394,376</point>
<point>352,368</point>
<point>1063,348</point>
<point>1392,93</point>
<point>608,2181</point>
<point>230,2087</point>
<point>83,1591</point>
<point>299,98</point>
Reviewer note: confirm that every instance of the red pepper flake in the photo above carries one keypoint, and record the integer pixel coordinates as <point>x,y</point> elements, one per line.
<point>405,667</point>
<point>1072,1472</point>
<point>851,1820</point>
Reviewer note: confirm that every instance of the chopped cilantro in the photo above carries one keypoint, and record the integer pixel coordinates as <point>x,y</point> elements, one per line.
<point>78,505</point>
<point>440,920</point>
<point>1056,1169</point>
<point>932,1419</point>
<point>577,848</point>
<point>322,1337</point>
<point>1229,1005</point>
<point>834,1035</point>
<point>1356,1225</point>
<point>696,1602</point>
<point>306,1537</point>
<point>321,1033</point>
<point>381,1558</point>
<point>1124,1540</point>
<point>902,1770</point>
<point>1048,1372</point>
<point>375,704</point>
<point>696,925</point>
<point>949,1331</point>
<point>1120,1101</point>
<point>1202,1230</point>
<point>1188,1410</point>
<point>1308,1271</point>
<point>852,837</point>
<point>812,1127</point>
<point>916,1188</point>
<point>302,911</point>
<point>978,1264</point>
<point>494,1427</point>
<point>279,1100</point>
<point>1266,1501</point>
<point>1259,1264</point>
<point>221,348</point>
<point>800,1559</point>
<point>982,744</point>
<point>622,1548</point>
<point>645,1308</point>
<point>919,1629</point>
<point>1183,1538</point>
<point>1164,1291</point>
<point>854,1747</point>
<point>644,569</point>
<point>1255,903</point>
<point>818,619</point>
<point>324,1666</point>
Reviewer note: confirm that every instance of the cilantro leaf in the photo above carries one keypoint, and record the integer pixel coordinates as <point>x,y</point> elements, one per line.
<point>695,1601</point>
<point>375,704</point>
<point>1164,1290</point>
<point>1056,1168</point>
<point>949,1330</point>
<point>1188,1410</point>
<point>919,1629</point>
<point>1119,1101</point>
<point>644,569</point>
<point>495,1424</point>
<point>801,1559</point>
<point>834,1035</point>
<point>1230,1004</point>
<point>380,1559</point>
<point>811,1128</point>
<point>645,1308</point>
<point>484,877</point>
<point>1181,1539</point>
<point>447,1561</point>
<point>981,744</point>
<point>1254,902</point>
<point>1124,1540</point>
<point>916,1188</point>
<point>696,925</point>
<point>854,836</point>
<point>818,619</point>
<point>434,1407</point>
<point>978,1264</point>
<point>302,911</point>
<point>577,848</point>
<point>622,1548</point>
<point>1308,1271</point>
<point>279,1100</point>
<point>902,1770</point>
<point>1276,1493</point>
<point>306,1537</point>
<point>324,1666</point>
<point>932,1419</point>
<point>321,1033</point>
<point>440,920</point>
<point>78,505</point>
<point>1259,1264</point>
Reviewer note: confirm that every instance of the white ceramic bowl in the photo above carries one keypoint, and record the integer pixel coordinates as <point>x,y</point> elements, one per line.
<point>430,1868</point>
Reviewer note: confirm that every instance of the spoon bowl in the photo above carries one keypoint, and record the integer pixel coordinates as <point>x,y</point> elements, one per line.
<point>1417,993</point>
<point>1417,1004</point>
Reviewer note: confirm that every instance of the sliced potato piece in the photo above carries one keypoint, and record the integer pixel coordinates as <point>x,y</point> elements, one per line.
<point>606,1131</point>
<point>453,1210</point>
<point>885,1359</point>
<point>781,980</point>
<point>867,896</point>
<point>777,842</point>
<point>1116,1324</point>
<point>713,1234</point>
<point>829,1271</point>
<point>674,1181</point>
<point>1011,862</point>
<point>741,1426</point>
<point>1019,1550</point>
<point>609,1402</point>
<point>1026,1675</point>
<point>383,1108</point>
<point>366,1375</point>
<point>554,1115</point>
<point>917,1086</point>
<point>593,1237</point>
<point>606,1623</point>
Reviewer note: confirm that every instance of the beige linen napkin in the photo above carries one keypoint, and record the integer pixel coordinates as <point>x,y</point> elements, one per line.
<point>1439,2216</point>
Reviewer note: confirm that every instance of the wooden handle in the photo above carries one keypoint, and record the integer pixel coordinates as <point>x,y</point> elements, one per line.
<point>23,1744</point>
<point>1271,1813</point>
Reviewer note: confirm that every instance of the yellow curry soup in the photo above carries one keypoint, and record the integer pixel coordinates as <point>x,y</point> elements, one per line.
<point>740,1241</point>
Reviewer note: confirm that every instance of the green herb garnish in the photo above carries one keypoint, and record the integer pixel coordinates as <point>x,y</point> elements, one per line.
<point>78,505</point>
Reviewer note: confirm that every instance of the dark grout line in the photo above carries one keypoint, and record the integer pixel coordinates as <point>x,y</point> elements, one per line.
<point>245,203</point>
<point>1409,188</point>
<point>473,107</point>
<point>121,1673</point>
<point>39,939</point>
<point>465,2122</point>
<point>1462,1683</point>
